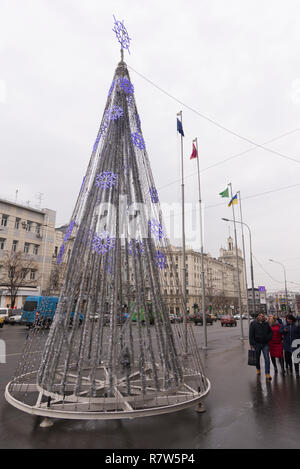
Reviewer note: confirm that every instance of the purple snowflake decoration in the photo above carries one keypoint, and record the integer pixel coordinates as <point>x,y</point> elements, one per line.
<point>103,243</point>
<point>126,85</point>
<point>156,229</point>
<point>69,231</point>
<point>138,140</point>
<point>106,179</point>
<point>136,246</point>
<point>160,260</point>
<point>60,254</point>
<point>111,88</point>
<point>114,113</point>
<point>122,34</point>
<point>154,195</point>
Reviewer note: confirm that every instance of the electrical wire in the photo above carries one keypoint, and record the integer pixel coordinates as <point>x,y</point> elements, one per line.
<point>212,121</point>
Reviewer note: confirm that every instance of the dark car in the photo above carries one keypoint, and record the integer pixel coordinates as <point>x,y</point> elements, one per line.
<point>198,319</point>
<point>228,321</point>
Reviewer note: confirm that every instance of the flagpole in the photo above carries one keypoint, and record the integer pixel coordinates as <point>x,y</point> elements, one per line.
<point>244,254</point>
<point>237,265</point>
<point>201,249</point>
<point>179,114</point>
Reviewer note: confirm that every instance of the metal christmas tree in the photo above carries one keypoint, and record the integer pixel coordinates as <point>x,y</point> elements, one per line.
<point>111,351</point>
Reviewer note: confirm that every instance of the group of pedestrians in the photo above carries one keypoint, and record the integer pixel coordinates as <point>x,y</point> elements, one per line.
<point>276,339</point>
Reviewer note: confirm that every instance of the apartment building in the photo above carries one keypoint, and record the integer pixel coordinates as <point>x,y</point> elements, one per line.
<point>30,231</point>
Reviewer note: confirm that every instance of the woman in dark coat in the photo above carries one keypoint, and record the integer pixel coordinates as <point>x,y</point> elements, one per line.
<point>275,344</point>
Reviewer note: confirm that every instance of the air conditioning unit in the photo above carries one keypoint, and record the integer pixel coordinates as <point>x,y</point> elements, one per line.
<point>38,235</point>
<point>24,225</point>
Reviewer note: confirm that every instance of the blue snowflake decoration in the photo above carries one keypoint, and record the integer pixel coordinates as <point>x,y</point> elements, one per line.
<point>60,254</point>
<point>126,85</point>
<point>136,246</point>
<point>138,140</point>
<point>122,34</point>
<point>106,179</point>
<point>111,88</point>
<point>160,260</point>
<point>113,113</point>
<point>69,231</point>
<point>156,229</point>
<point>102,243</point>
<point>154,195</point>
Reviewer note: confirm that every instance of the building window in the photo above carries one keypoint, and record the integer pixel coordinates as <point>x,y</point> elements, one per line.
<point>17,223</point>
<point>24,273</point>
<point>29,225</point>
<point>2,243</point>
<point>36,249</point>
<point>32,274</point>
<point>26,248</point>
<point>55,251</point>
<point>38,229</point>
<point>14,245</point>
<point>4,220</point>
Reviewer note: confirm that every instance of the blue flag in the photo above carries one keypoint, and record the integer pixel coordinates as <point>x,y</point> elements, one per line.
<point>179,127</point>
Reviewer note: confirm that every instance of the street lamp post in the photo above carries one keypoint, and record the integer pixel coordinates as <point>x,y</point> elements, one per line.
<point>285,284</point>
<point>251,265</point>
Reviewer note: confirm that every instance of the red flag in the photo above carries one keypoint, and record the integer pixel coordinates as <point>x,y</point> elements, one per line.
<point>194,153</point>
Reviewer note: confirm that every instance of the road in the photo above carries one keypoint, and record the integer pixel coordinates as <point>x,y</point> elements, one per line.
<point>242,410</point>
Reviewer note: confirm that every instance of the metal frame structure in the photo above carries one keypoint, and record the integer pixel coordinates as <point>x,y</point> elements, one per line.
<point>111,351</point>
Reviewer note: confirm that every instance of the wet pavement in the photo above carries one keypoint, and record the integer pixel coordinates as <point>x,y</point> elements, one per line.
<point>242,410</point>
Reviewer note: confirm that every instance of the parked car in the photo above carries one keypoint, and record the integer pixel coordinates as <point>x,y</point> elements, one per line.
<point>15,318</point>
<point>175,318</point>
<point>198,319</point>
<point>228,321</point>
<point>4,313</point>
<point>213,316</point>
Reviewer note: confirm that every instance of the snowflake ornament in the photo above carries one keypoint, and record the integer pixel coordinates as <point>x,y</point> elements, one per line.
<point>106,179</point>
<point>161,260</point>
<point>114,113</point>
<point>122,35</point>
<point>102,243</point>
<point>126,85</point>
<point>138,140</point>
<point>156,229</point>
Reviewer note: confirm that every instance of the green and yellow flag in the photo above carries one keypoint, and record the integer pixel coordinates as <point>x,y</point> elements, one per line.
<point>224,193</point>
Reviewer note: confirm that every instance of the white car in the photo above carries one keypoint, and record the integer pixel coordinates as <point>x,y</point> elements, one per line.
<point>15,319</point>
<point>237,316</point>
<point>4,313</point>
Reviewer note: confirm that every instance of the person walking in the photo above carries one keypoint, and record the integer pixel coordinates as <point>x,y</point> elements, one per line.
<point>290,332</point>
<point>275,344</point>
<point>260,334</point>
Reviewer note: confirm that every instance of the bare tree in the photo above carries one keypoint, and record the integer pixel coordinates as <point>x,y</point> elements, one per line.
<point>14,272</point>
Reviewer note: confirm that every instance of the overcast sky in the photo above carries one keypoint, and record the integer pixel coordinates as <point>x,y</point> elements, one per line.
<point>236,63</point>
